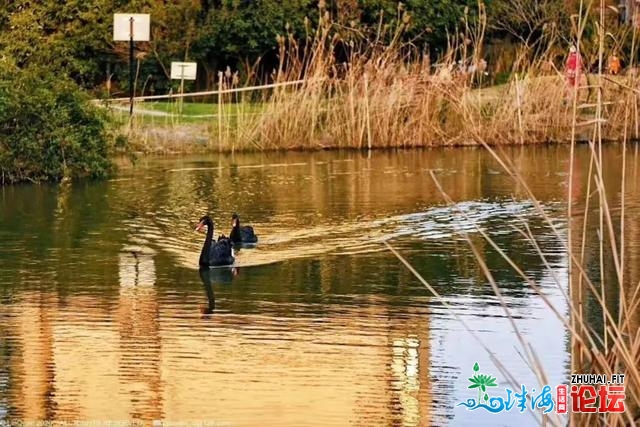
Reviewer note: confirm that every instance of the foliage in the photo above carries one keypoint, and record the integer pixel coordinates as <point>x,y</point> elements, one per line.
<point>70,38</point>
<point>240,33</point>
<point>48,129</point>
<point>75,38</point>
<point>433,21</point>
<point>530,22</point>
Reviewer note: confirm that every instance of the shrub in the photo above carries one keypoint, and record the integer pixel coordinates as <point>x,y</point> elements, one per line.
<point>48,128</point>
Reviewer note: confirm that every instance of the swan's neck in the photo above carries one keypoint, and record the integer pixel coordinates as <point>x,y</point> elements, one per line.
<point>235,231</point>
<point>206,248</point>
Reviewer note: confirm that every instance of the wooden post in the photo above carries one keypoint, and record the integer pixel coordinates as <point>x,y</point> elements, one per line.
<point>219,111</point>
<point>519,105</point>
<point>181,99</point>
<point>366,110</point>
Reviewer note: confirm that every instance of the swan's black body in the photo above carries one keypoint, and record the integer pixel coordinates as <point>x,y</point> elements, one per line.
<point>214,253</point>
<point>242,234</point>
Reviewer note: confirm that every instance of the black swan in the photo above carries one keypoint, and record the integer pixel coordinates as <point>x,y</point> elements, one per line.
<point>214,254</point>
<point>241,234</point>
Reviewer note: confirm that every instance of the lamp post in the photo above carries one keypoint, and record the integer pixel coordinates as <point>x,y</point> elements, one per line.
<point>131,27</point>
<point>131,67</point>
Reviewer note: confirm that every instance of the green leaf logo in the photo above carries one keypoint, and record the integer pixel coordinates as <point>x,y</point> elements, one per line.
<point>481,382</point>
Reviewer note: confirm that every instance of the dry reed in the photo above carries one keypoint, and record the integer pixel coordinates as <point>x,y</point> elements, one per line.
<point>387,95</point>
<point>612,114</point>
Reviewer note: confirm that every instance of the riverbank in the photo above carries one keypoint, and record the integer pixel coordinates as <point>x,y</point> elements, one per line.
<point>376,110</point>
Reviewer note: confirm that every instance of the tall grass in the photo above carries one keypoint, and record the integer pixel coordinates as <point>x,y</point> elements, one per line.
<point>390,95</point>
<point>615,348</point>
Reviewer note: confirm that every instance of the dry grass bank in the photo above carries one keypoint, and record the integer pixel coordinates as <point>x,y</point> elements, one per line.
<point>385,110</point>
<point>384,99</point>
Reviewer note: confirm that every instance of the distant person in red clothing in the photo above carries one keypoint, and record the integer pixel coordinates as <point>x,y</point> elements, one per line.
<point>573,67</point>
<point>614,65</point>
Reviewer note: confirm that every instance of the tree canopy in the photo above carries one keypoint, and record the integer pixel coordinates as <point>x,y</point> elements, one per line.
<point>74,38</point>
<point>48,130</point>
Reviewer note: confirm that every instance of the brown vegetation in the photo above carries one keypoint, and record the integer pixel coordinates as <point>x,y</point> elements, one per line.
<point>388,96</point>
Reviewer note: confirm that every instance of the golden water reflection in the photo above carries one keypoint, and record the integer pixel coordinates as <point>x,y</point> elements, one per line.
<point>140,361</point>
<point>319,325</point>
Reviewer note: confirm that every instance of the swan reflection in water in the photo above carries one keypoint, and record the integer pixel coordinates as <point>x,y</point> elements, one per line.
<point>209,276</point>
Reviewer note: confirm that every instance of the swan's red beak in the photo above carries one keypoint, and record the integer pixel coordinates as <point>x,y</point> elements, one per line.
<point>200,226</point>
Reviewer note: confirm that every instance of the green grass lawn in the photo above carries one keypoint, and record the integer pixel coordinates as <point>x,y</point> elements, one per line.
<point>202,109</point>
<point>170,112</point>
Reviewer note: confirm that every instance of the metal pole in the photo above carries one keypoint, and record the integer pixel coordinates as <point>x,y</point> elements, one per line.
<point>180,101</point>
<point>131,71</point>
<point>181,91</point>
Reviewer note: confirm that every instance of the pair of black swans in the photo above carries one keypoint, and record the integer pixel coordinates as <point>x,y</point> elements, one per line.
<point>220,252</point>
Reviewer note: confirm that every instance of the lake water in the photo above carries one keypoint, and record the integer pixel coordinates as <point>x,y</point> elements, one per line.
<point>104,315</point>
